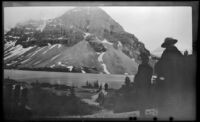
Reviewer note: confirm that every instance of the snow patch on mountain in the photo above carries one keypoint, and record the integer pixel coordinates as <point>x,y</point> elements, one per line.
<point>9,44</point>
<point>119,44</point>
<point>98,53</point>
<point>83,71</point>
<point>100,59</point>
<point>28,28</point>
<point>86,35</point>
<point>61,64</point>
<point>60,38</point>
<point>52,46</point>
<point>37,62</point>
<point>49,48</point>
<point>25,61</point>
<point>36,52</point>
<point>70,68</point>
<point>19,50</point>
<point>14,37</point>
<point>28,39</point>
<point>54,57</point>
<point>13,62</point>
<point>107,42</point>
<point>52,65</point>
<point>59,45</point>
<point>105,69</point>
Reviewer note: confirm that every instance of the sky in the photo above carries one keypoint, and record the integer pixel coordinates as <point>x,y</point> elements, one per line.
<point>151,25</point>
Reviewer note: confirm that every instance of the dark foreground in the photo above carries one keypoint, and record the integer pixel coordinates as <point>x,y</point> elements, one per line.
<point>39,100</point>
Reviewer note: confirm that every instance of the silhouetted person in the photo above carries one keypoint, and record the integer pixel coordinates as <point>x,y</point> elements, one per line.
<point>100,98</point>
<point>106,87</point>
<point>142,82</point>
<point>186,53</point>
<point>169,70</point>
<point>126,88</point>
<point>169,66</point>
<point>142,79</point>
<point>127,81</point>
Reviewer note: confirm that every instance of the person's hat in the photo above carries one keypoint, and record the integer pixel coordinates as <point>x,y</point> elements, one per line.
<point>168,42</point>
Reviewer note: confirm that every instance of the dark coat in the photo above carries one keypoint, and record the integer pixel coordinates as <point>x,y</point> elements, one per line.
<point>171,56</point>
<point>170,66</point>
<point>143,77</point>
<point>142,84</point>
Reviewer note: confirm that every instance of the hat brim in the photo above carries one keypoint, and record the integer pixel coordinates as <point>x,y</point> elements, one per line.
<point>166,44</point>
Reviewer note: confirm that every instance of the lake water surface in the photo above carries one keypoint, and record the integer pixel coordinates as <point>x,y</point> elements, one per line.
<point>77,79</point>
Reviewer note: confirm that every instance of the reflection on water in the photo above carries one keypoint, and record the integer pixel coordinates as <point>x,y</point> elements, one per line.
<point>76,79</point>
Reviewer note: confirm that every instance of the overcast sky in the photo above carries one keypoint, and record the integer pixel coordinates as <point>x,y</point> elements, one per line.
<point>149,24</point>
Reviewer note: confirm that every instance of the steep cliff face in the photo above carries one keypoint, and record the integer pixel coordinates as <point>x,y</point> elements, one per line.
<point>84,38</point>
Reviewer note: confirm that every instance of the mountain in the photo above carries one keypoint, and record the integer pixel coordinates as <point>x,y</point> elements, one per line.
<point>84,39</point>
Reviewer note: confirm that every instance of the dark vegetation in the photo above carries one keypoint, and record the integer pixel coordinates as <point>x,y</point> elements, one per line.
<point>45,103</point>
<point>48,85</point>
<point>97,46</point>
<point>39,102</point>
<point>124,99</point>
<point>95,85</point>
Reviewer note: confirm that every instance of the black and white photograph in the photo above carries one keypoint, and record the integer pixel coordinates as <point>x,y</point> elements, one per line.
<point>87,60</point>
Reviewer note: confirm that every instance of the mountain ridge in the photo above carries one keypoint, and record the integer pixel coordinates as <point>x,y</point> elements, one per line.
<point>90,29</point>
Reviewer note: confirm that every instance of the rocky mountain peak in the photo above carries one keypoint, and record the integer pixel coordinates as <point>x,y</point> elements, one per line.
<point>83,37</point>
<point>90,19</point>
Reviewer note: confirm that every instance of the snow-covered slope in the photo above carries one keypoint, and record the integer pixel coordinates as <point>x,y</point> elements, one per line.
<point>80,55</point>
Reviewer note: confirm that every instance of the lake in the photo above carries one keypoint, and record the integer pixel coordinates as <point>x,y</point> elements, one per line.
<point>76,79</point>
